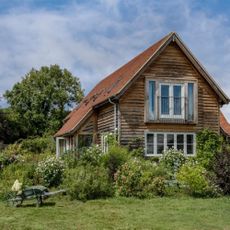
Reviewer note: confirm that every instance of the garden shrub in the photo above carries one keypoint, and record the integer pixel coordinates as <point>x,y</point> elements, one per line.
<point>208,144</point>
<point>49,172</point>
<point>172,159</point>
<point>221,170</point>
<point>135,147</point>
<point>88,182</point>
<point>24,172</point>
<point>91,155</point>
<point>193,178</point>
<point>38,144</point>
<point>71,158</point>
<point>140,178</point>
<point>114,158</point>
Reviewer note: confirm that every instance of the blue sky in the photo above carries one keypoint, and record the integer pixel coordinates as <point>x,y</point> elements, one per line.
<point>93,38</point>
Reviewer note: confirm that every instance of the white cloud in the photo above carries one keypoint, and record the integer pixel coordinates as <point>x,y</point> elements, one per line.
<point>91,40</point>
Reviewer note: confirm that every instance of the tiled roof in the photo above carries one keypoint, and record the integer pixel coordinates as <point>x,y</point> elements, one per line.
<point>113,84</point>
<point>225,126</point>
<point>108,87</point>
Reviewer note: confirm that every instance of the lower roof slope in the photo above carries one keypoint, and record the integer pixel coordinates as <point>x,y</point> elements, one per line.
<point>225,126</point>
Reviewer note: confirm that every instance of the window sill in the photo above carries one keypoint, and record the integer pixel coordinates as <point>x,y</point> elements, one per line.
<point>171,121</point>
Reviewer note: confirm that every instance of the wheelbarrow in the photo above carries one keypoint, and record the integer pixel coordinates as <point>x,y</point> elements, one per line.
<point>39,193</point>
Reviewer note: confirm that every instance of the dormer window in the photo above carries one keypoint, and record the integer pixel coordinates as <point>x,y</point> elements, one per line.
<point>170,101</point>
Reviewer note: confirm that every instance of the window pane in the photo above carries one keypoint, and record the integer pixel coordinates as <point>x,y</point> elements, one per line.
<point>150,143</point>
<point>189,149</point>
<point>180,142</point>
<point>160,143</point>
<point>165,99</point>
<point>150,138</point>
<point>180,138</point>
<point>150,149</point>
<point>160,149</point>
<point>160,138</point>
<point>177,99</point>
<point>85,140</point>
<point>190,141</point>
<point>151,99</point>
<point>190,101</point>
<point>170,141</point>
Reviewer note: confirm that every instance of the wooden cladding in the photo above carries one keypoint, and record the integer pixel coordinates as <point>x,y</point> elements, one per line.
<point>172,64</point>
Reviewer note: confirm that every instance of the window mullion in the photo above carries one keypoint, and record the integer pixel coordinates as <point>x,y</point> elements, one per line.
<point>171,100</point>
<point>175,141</point>
<point>185,144</point>
<point>165,141</point>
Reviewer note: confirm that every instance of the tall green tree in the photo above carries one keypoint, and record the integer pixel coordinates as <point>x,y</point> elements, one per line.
<point>43,97</point>
<point>10,127</point>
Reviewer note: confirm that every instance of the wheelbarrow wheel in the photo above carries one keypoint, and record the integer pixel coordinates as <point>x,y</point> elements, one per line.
<point>13,200</point>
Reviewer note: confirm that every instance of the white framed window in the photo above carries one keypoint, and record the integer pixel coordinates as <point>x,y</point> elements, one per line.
<point>171,100</point>
<point>157,142</point>
<point>84,140</point>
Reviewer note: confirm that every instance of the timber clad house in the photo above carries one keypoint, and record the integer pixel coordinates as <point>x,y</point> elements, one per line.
<point>163,96</point>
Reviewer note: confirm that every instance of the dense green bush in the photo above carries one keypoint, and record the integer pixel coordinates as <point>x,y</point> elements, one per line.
<point>114,158</point>
<point>24,172</point>
<point>88,182</point>
<point>12,154</point>
<point>193,178</point>
<point>172,159</point>
<point>91,155</point>
<point>208,144</point>
<point>140,178</point>
<point>71,158</point>
<point>38,144</point>
<point>135,147</point>
<point>221,170</point>
<point>50,171</point>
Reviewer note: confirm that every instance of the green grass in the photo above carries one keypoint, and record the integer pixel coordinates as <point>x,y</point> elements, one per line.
<point>121,213</point>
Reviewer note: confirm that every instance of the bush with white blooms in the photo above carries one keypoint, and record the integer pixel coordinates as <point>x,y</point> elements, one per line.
<point>50,171</point>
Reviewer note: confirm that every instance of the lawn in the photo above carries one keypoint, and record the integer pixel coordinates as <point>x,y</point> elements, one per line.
<point>120,213</point>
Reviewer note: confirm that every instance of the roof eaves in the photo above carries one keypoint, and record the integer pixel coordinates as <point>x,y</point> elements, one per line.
<point>88,113</point>
<point>202,70</point>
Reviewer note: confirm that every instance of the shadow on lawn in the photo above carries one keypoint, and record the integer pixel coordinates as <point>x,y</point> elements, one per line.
<point>45,204</point>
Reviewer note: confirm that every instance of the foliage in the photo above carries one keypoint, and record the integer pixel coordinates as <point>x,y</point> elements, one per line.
<point>87,182</point>
<point>208,144</point>
<point>50,171</point>
<point>22,171</point>
<point>91,155</point>
<point>140,178</point>
<point>12,154</point>
<point>11,129</point>
<point>172,159</point>
<point>114,158</point>
<point>221,170</point>
<point>41,98</point>
<point>71,158</point>
<point>194,179</point>
<point>135,147</point>
<point>38,144</point>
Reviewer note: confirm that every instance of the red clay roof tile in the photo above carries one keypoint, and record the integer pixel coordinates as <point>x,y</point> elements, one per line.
<point>112,86</point>
<point>108,87</point>
<point>225,126</point>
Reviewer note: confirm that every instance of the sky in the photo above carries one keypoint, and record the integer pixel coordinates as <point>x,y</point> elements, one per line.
<point>93,38</point>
